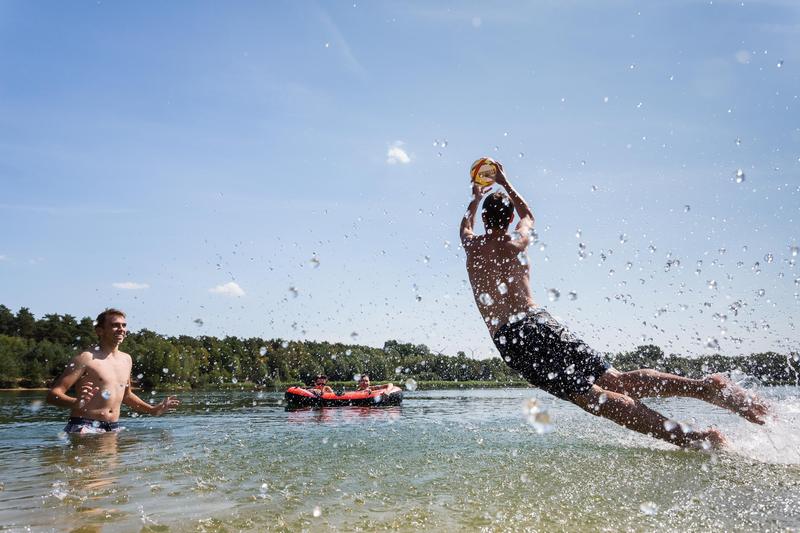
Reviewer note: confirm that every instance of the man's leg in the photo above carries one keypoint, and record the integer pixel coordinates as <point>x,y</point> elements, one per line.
<point>715,389</point>
<point>633,414</point>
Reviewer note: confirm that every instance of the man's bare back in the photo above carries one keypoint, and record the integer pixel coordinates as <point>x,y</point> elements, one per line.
<point>499,273</point>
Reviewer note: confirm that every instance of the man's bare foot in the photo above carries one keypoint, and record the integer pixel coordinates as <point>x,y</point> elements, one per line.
<point>728,395</point>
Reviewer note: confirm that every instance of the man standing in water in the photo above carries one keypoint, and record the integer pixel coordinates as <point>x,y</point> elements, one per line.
<point>550,357</point>
<point>102,379</point>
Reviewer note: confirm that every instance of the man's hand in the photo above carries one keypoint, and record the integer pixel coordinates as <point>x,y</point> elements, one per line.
<point>87,392</point>
<point>168,404</point>
<point>478,191</point>
<point>500,176</point>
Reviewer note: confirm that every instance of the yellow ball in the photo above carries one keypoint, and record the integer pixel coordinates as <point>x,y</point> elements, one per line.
<point>483,171</point>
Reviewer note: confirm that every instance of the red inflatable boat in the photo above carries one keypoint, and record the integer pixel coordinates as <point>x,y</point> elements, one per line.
<point>300,397</point>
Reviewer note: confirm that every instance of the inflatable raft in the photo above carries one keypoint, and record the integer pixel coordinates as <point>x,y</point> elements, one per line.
<point>300,397</point>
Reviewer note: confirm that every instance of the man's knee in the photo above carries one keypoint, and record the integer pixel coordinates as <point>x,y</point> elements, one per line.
<point>610,380</point>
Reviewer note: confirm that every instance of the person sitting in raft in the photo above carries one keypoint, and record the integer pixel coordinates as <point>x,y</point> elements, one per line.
<point>321,385</point>
<point>364,384</point>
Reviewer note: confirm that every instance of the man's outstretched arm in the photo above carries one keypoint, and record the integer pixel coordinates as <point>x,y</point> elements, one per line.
<point>525,224</point>
<point>468,222</point>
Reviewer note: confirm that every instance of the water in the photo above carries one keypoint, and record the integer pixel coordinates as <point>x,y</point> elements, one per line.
<point>444,461</point>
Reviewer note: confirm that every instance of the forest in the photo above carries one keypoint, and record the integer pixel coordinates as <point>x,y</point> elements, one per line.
<point>34,351</point>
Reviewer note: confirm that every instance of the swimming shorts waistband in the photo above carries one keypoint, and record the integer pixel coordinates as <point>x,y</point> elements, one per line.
<point>78,422</point>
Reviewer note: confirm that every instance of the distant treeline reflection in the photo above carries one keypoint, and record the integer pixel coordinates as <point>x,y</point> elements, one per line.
<point>33,352</point>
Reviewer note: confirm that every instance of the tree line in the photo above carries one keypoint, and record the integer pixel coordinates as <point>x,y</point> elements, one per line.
<point>33,352</point>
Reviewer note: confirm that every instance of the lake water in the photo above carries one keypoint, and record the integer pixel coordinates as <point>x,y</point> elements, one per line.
<point>443,461</point>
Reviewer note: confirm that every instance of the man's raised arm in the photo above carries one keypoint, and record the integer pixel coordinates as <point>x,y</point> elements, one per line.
<point>525,224</point>
<point>468,222</point>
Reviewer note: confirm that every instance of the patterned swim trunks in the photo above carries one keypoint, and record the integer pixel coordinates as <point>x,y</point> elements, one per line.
<point>77,424</point>
<point>549,356</point>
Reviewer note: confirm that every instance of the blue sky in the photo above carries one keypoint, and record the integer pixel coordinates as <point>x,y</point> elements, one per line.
<point>299,169</point>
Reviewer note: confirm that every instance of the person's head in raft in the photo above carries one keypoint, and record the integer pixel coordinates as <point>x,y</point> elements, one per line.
<point>111,327</point>
<point>320,381</point>
<point>498,212</point>
<point>363,382</point>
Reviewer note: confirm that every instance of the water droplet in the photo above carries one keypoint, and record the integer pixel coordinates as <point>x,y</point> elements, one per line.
<point>761,292</point>
<point>794,250</point>
<point>603,398</point>
<point>521,155</point>
<point>165,370</point>
<point>649,508</point>
<point>651,249</point>
<point>293,291</point>
<point>354,335</point>
<point>522,257</point>
<point>262,351</point>
<point>553,295</point>
<point>712,343</point>
<point>502,288</point>
<point>712,284</point>
<point>234,381</point>
<point>426,259</point>
<point>769,258</point>
<point>669,425</point>
<point>573,295</point>
<point>314,261</point>
<point>139,376</point>
<point>739,176</point>
<point>570,370</point>
<point>628,265</point>
<point>285,344</point>
<point>578,233</point>
<point>35,407</point>
<point>780,64</point>
<point>106,394</point>
<point>594,188</point>
<point>687,208</point>
<point>316,512</point>
<point>623,238</point>
<point>485,299</point>
<point>411,384</point>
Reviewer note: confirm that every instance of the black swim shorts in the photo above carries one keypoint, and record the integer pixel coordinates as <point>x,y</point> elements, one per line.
<point>549,356</point>
<point>77,424</point>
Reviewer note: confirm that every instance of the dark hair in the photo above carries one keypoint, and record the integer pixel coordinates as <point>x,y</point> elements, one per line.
<point>364,375</point>
<point>100,322</point>
<point>498,211</point>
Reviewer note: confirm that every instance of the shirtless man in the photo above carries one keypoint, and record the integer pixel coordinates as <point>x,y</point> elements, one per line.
<point>102,379</point>
<point>553,359</point>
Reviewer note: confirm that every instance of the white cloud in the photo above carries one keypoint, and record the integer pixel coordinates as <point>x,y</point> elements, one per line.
<point>130,285</point>
<point>397,154</point>
<point>229,289</point>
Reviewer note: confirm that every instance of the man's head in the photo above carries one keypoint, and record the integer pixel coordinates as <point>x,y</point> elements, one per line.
<point>363,381</point>
<point>110,326</point>
<point>321,380</point>
<point>498,212</point>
